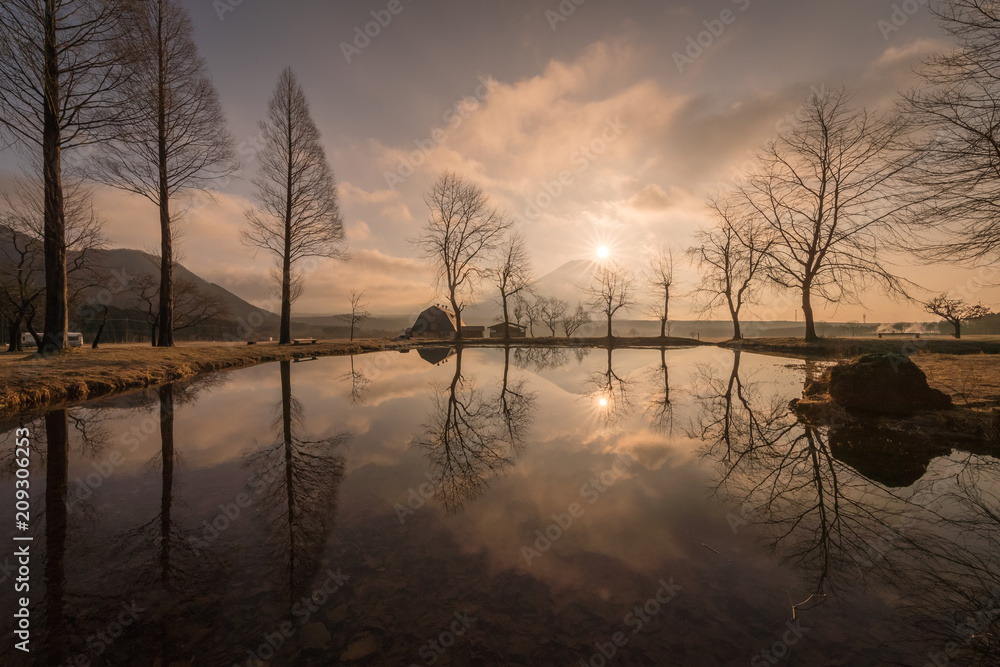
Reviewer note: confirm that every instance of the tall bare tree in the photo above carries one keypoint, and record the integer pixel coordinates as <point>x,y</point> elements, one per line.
<point>659,277</point>
<point>22,234</point>
<point>955,182</point>
<point>58,66</point>
<point>461,236</point>
<point>955,311</point>
<point>611,289</point>
<point>825,192</point>
<point>176,140</point>
<point>730,258</point>
<point>511,274</point>
<point>298,213</point>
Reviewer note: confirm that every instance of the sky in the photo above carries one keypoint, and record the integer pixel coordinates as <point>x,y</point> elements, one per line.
<point>642,107</point>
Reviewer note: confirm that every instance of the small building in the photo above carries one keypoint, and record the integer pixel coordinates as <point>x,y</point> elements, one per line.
<point>473,332</point>
<point>435,322</point>
<point>515,330</point>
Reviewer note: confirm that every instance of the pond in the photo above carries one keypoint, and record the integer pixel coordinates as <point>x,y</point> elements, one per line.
<point>489,507</point>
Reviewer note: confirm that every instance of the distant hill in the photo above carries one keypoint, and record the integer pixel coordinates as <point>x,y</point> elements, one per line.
<point>132,263</point>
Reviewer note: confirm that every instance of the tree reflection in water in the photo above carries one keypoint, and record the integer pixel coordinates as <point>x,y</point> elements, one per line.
<point>475,435</point>
<point>659,408</point>
<point>936,542</point>
<point>296,482</point>
<point>611,394</point>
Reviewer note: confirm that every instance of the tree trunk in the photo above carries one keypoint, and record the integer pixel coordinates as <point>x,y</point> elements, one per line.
<point>54,244</point>
<point>610,335</point>
<point>807,311</point>
<point>166,314</point>
<point>285,335</point>
<point>666,315</point>
<point>56,494</point>
<point>506,318</point>
<point>458,318</point>
<point>100,330</point>
<point>15,335</point>
<point>737,331</point>
<point>958,328</point>
<point>352,328</point>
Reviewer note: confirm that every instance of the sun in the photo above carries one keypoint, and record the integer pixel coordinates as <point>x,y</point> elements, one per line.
<point>603,252</point>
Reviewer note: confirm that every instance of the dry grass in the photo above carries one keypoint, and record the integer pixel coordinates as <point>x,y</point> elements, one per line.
<point>973,381</point>
<point>843,348</point>
<point>28,381</point>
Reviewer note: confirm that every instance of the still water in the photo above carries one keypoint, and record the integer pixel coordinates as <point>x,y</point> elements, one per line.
<point>492,507</point>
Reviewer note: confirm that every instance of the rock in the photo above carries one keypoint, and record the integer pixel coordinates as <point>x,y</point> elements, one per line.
<point>360,649</point>
<point>884,384</point>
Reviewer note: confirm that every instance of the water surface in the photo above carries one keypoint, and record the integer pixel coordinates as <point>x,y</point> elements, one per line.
<point>523,507</point>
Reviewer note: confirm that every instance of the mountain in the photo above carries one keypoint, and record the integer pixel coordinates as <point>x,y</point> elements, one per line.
<point>129,264</point>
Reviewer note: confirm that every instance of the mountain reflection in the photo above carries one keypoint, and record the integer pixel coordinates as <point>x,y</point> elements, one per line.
<point>473,435</point>
<point>937,540</point>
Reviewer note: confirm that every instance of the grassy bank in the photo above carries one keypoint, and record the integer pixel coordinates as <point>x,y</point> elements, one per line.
<point>28,382</point>
<point>840,348</point>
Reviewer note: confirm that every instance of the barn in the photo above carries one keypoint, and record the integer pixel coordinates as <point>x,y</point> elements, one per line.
<point>435,322</point>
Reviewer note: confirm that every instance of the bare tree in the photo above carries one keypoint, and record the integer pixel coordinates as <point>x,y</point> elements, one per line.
<point>22,226</point>
<point>176,139</point>
<point>955,183</point>
<point>553,312</point>
<point>532,313</point>
<point>825,193</point>
<point>359,310</point>
<point>462,233</point>
<point>57,68</point>
<point>573,321</point>
<point>730,258</point>
<point>611,290</point>
<point>659,277</point>
<point>511,274</point>
<point>955,311</point>
<point>297,214</point>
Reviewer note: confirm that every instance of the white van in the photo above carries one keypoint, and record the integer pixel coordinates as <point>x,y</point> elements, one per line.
<point>73,339</point>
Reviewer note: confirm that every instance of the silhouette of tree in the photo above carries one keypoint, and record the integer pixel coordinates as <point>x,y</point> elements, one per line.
<point>463,233</point>
<point>610,291</point>
<point>297,214</point>
<point>59,66</point>
<point>511,274</point>
<point>474,437</point>
<point>825,194</point>
<point>955,311</point>
<point>175,139</point>
<point>659,277</point>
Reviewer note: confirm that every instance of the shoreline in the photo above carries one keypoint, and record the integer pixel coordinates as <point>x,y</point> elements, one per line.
<point>28,383</point>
